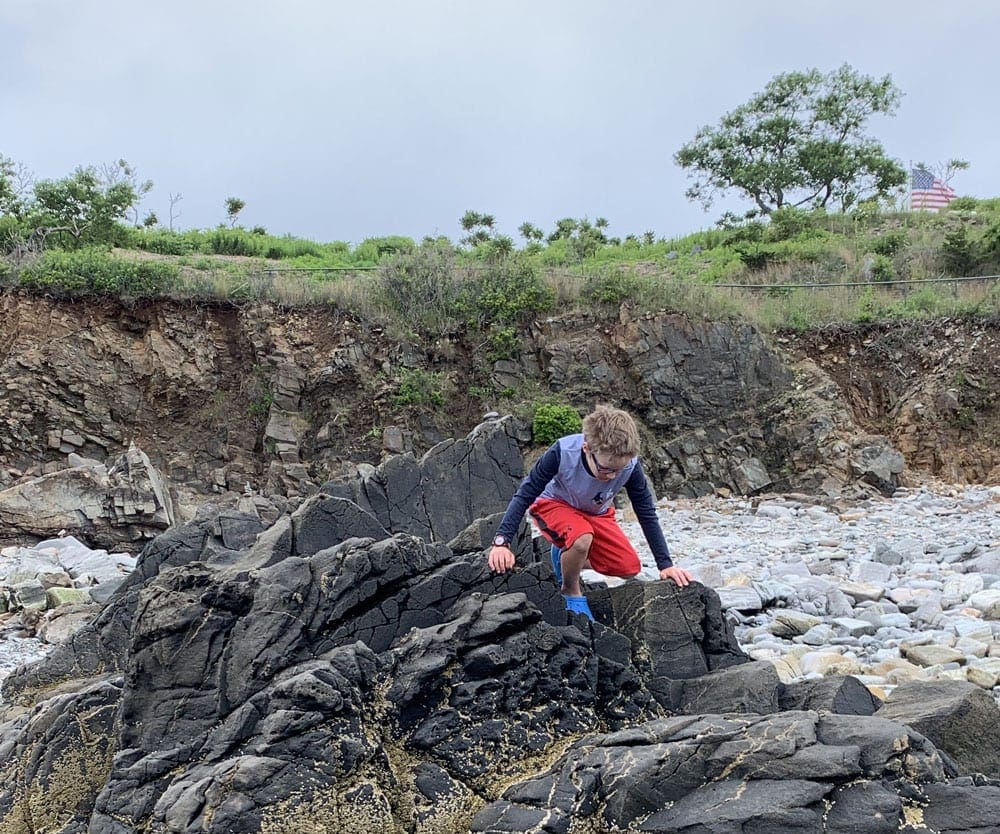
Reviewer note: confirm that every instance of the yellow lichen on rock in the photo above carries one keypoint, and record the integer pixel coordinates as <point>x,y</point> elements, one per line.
<point>72,783</point>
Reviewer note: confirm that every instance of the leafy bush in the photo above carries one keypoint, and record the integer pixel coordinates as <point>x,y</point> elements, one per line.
<point>789,222</point>
<point>373,250</point>
<point>882,268</point>
<point>284,248</point>
<point>890,243</point>
<point>508,291</point>
<point>166,242</point>
<point>419,387</point>
<point>744,233</point>
<point>958,251</point>
<point>13,232</point>
<point>612,287</point>
<point>990,247</point>
<point>756,257</point>
<point>234,242</point>
<point>504,343</point>
<point>94,271</point>
<point>554,421</point>
<point>422,286</point>
<point>963,204</point>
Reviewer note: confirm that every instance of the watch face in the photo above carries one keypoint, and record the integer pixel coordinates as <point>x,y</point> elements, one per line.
<point>500,541</point>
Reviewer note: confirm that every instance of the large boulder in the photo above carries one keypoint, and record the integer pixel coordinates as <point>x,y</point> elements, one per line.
<point>959,717</point>
<point>437,496</point>
<point>121,506</point>
<point>337,672</point>
<point>721,773</point>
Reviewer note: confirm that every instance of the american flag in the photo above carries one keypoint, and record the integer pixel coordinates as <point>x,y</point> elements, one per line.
<point>928,192</point>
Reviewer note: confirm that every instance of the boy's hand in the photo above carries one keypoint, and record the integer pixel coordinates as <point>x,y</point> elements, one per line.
<point>679,575</point>
<point>501,559</point>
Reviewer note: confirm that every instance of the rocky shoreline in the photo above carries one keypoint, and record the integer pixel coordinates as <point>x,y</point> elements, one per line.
<point>353,665</point>
<point>886,589</point>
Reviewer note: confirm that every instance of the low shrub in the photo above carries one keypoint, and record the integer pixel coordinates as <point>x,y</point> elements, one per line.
<point>94,271</point>
<point>507,291</point>
<point>958,251</point>
<point>166,242</point>
<point>890,243</point>
<point>554,421</point>
<point>235,242</point>
<point>422,286</point>
<point>419,387</point>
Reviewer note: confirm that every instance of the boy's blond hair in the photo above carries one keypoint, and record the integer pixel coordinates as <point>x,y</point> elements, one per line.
<point>612,432</point>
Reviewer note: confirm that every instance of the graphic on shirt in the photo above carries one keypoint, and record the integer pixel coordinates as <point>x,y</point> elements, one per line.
<point>599,498</point>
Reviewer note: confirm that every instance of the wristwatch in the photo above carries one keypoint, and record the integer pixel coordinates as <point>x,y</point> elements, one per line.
<point>501,541</point>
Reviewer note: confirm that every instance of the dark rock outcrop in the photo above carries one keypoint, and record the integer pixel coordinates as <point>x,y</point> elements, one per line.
<point>959,717</point>
<point>719,773</point>
<point>334,673</point>
<point>841,694</point>
<point>437,496</point>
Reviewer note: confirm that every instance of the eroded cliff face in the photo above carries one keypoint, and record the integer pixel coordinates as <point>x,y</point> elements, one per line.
<point>230,399</point>
<point>932,387</point>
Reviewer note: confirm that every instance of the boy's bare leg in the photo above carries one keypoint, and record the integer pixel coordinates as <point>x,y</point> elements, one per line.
<point>573,560</point>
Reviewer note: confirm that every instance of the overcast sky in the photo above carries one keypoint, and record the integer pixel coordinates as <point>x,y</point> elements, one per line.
<point>340,121</point>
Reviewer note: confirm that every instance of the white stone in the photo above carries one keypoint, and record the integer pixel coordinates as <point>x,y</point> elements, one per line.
<point>853,626</point>
<point>932,655</point>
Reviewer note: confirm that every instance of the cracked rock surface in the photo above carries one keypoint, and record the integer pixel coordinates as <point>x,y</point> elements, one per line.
<point>337,671</point>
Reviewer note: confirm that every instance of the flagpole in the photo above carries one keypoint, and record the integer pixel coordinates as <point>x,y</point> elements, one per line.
<point>909,186</point>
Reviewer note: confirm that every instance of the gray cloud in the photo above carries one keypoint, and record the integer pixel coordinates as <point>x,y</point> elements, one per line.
<point>338,120</point>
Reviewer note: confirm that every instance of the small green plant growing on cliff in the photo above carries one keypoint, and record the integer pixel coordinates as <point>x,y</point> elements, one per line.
<point>419,387</point>
<point>554,421</point>
<point>260,407</point>
<point>259,397</point>
<point>503,343</point>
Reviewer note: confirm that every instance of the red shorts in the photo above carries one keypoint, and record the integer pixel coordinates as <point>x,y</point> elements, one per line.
<point>611,553</point>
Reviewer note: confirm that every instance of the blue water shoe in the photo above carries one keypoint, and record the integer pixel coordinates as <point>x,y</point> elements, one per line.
<point>578,605</point>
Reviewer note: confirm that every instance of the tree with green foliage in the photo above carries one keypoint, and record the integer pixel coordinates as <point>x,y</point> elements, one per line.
<point>15,182</point>
<point>584,237</point>
<point>800,142</point>
<point>563,231</point>
<point>81,209</point>
<point>501,246</point>
<point>478,228</point>
<point>234,205</point>
<point>530,232</point>
<point>120,171</point>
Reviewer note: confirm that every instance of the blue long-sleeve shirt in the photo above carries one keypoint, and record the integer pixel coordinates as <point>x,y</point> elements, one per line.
<point>636,487</point>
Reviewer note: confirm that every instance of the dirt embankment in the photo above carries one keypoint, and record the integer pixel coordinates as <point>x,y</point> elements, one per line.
<point>224,397</point>
<point>932,387</point>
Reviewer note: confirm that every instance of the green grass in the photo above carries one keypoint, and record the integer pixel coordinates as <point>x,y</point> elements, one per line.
<point>435,287</point>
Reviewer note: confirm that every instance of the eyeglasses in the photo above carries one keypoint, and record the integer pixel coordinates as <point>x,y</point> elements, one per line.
<point>604,470</point>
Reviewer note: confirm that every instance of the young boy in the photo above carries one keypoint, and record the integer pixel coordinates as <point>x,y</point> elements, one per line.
<point>570,493</point>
